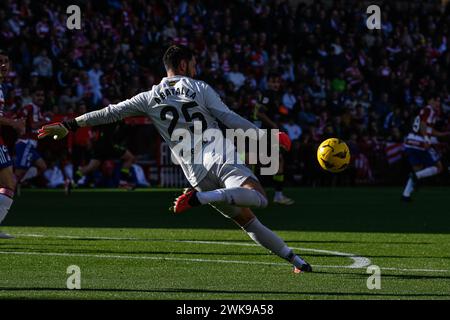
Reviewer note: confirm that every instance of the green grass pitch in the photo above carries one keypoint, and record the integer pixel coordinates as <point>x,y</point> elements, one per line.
<point>128,246</point>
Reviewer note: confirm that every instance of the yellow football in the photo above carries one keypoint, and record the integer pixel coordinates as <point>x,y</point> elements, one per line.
<point>333,155</point>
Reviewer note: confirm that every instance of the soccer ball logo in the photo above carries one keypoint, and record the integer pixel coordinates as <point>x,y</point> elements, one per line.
<point>333,155</point>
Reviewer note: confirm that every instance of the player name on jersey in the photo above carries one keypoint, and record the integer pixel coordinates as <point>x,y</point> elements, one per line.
<point>161,95</point>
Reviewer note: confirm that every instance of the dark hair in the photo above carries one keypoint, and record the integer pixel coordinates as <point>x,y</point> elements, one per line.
<point>273,75</point>
<point>175,54</point>
<point>36,89</point>
<point>3,52</point>
<point>432,96</point>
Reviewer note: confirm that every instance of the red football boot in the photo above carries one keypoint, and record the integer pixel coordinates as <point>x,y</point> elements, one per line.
<point>186,201</point>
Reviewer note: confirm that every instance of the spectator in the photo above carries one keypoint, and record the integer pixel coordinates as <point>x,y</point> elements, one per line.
<point>67,100</point>
<point>337,78</point>
<point>293,130</point>
<point>289,99</point>
<point>94,82</point>
<point>43,65</point>
<point>236,77</point>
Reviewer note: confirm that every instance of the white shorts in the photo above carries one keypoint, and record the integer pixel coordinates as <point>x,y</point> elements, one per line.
<point>225,175</point>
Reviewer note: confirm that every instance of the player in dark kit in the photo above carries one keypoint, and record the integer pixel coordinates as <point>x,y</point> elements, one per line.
<point>29,163</point>
<point>109,145</point>
<point>265,115</point>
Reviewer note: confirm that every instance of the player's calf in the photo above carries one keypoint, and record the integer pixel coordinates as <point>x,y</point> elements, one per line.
<point>270,240</point>
<point>429,171</point>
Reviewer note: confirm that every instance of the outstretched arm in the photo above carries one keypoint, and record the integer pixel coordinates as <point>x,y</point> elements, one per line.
<point>112,113</point>
<point>221,111</point>
<point>234,121</point>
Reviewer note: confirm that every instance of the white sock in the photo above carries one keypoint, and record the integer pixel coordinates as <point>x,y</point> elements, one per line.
<point>297,261</point>
<point>210,196</point>
<point>278,195</point>
<point>5,204</point>
<point>30,174</point>
<point>427,172</point>
<point>408,188</point>
<point>267,238</point>
<point>241,197</point>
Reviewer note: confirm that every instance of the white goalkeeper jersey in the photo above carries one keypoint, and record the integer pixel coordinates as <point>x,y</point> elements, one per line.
<point>177,103</point>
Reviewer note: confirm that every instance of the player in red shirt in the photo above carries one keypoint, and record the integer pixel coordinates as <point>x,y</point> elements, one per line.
<point>29,162</point>
<point>7,178</point>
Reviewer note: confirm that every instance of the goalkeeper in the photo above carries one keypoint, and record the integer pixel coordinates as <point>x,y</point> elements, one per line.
<point>178,102</point>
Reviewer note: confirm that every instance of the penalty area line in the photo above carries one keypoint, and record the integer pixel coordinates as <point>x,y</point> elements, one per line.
<point>358,261</point>
<point>101,256</point>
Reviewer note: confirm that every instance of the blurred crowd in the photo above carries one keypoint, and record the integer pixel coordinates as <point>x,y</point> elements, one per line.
<point>336,77</point>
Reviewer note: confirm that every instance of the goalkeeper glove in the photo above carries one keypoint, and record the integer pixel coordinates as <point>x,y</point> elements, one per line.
<point>284,140</point>
<point>58,129</point>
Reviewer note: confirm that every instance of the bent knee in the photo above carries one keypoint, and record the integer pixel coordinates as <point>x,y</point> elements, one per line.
<point>8,181</point>
<point>7,191</point>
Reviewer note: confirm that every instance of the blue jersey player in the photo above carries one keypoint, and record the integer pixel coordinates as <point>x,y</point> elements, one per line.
<point>424,159</point>
<point>7,178</point>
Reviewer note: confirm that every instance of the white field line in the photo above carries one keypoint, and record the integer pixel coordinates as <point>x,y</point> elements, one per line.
<point>107,256</point>
<point>358,262</point>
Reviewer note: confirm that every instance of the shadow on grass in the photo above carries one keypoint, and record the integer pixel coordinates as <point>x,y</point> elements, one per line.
<point>231,292</point>
<point>135,253</point>
<point>405,257</point>
<point>364,275</point>
<point>332,210</point>
<point>137,239</point>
